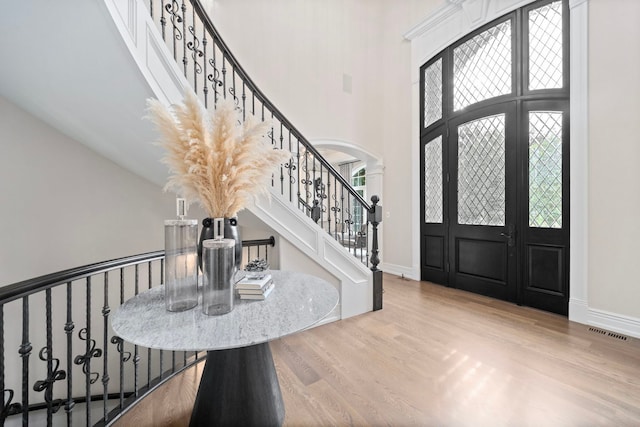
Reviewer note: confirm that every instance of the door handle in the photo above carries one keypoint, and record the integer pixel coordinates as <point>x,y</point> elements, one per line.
<point>510,235</point>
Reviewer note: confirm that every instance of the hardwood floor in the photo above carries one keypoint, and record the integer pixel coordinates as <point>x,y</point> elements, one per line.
<point>442,357</point>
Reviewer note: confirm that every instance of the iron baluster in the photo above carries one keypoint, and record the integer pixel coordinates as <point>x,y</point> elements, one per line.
<point>280,166</point>
<point>4,408</point>
<point>298,163</point>
<point>7,408</point>
<point>85,360</point>
<point>53,374</point>
<point>232,89</point>
<point>172,8</point>
<point>217,82</point>
<point>290,168</point>
<point>326,196</point>
<point>25,352</point>
<point>253,103</point>
<point>148,349</point>
<point>124,357</point>
<point>196,52</point>
<point>105,366</point>
<point>205,88</point>
<point>136,356</point>
<point>183,8</point>
<point>68,330</point>
<point>163,20</point>
<point>224,75</point>
<point>214,77</point>
<point>244,101</point>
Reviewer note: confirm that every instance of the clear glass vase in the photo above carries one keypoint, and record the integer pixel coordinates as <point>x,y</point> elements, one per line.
<point>181,264</point>
<point>218,265</point>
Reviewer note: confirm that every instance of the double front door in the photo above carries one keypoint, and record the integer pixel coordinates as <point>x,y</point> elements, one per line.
<point>495,203</point>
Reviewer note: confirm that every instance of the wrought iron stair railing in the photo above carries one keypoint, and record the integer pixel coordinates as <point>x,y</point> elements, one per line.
<point>58,353</point>
<point>308,180</point>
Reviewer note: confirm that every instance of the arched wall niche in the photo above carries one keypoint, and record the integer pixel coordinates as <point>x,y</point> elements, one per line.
<point>372,162</point>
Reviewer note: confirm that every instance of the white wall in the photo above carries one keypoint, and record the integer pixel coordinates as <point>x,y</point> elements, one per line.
<point>298,51</point>
<point>614,162</point>
<point>64,206</point>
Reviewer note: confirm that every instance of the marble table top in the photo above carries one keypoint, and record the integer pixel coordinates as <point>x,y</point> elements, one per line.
<point>297,301</point>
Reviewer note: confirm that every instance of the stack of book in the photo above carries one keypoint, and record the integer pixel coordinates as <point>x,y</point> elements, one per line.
<point>255,287</point>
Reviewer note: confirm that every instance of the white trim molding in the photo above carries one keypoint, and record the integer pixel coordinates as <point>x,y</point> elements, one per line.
<point>614,322</point>
<point>579,161</point>
<point>400,270</point>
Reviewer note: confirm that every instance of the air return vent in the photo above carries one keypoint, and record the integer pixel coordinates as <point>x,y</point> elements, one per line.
<point>608,334</point>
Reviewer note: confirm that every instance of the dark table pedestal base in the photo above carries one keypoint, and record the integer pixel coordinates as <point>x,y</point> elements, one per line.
<point>239,387</point>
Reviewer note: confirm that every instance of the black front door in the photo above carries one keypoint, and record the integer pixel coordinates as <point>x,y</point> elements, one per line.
<point>496,203</point>
<point>482,203</point>
<point>494,154</point>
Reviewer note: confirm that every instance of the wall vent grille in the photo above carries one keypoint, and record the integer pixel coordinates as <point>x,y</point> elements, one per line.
<point>608,334</point>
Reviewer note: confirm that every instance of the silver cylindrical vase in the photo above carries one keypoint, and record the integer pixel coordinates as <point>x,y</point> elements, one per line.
<point>181,264</point>
<point>218,264</point>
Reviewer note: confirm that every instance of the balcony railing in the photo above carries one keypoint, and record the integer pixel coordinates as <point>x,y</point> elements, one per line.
<point>61,364</point>
<point>308,181</point>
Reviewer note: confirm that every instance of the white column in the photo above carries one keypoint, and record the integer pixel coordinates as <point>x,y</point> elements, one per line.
<point>579,160</point>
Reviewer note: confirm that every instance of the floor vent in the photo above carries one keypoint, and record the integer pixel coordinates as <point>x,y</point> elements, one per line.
<point>608,334</point>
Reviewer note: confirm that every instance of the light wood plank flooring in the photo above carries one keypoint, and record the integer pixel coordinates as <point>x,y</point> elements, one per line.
<point>442,357</point>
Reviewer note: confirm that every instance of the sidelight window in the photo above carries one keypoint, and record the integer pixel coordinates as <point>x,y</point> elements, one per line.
<point>545,169</point>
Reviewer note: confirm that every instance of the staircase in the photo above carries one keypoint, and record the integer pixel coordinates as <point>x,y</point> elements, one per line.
<point>131,50</point>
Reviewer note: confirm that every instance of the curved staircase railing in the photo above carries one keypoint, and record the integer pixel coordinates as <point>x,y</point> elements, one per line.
<point>61,364</point>
<point>308,181</point>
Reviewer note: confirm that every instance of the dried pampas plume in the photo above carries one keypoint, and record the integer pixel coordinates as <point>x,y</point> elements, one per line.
<point>216,160</point>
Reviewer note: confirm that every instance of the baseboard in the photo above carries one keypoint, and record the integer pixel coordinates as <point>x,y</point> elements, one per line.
<point>580,312</point>
<point>399,270</point>
<point>615,322</point>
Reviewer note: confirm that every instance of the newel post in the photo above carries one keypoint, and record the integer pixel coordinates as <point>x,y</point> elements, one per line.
<point>375,218</point>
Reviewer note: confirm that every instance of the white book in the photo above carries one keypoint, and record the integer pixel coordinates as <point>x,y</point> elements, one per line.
<point>259,282</point>
<point>253,291</point>
<point>259,296</point>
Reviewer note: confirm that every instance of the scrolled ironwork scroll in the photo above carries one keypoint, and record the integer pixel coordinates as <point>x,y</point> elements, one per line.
<point>196,52</point>
<point>9,408</point>
<point>46,385</point>
<point>214,77</point>
<point>84,359</point>
<point>172,9</point>
<point>119,342</point>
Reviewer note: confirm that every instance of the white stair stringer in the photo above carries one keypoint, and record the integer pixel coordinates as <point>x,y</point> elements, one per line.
<point>163,75</point>
<point>356,289</point>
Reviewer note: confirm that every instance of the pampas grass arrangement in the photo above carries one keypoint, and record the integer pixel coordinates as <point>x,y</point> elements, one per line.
<point>215,159</point>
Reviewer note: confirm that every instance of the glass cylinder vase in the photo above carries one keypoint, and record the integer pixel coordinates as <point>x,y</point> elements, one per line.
<point>218,265</point>
<point>181,264</point>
